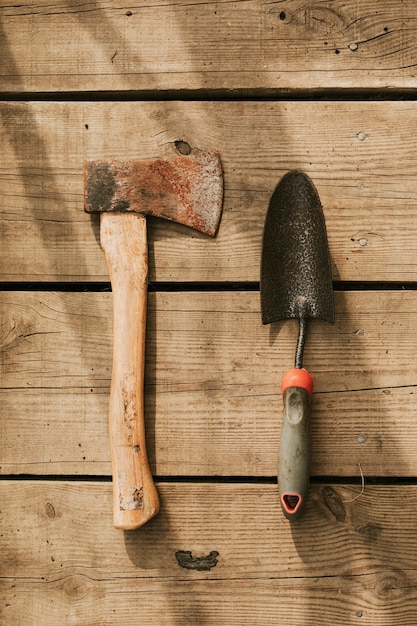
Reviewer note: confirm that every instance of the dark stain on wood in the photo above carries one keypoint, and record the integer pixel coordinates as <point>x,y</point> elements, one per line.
<point>186,560</point>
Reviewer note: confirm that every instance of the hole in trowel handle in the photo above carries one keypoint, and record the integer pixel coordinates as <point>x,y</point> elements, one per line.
<point>291,502</point>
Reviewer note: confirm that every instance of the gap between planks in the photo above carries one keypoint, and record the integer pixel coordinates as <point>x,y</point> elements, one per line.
<point>154,286</point>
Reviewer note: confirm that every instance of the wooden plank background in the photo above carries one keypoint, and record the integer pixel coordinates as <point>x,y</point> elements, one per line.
<point>212,384</point>
<point>70,46</point>
<point>348,148</point>
<point>356,558</point>
<point>327,87</point>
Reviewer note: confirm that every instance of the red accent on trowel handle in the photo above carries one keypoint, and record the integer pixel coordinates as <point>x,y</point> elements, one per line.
<point>291,503</point>
<point>298,377</point>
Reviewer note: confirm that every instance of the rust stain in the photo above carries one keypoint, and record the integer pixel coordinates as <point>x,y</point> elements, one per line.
<point>129,410</point>
<point>130,497</point>
<point>133,501</point>
<point>137,496</point>
<point>187,189</point>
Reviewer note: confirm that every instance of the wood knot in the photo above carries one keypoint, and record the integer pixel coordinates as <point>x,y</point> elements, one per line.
<point>50,510</point>
<point>323,19</point>
<point>182,147</point>
<point>333,502</point>
<point>370,531</point>
<point>77,587</point>
<point>186,560</point>
<point>391,585</point>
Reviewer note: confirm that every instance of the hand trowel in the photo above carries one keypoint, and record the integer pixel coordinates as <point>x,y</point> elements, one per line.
<point>296,282</point>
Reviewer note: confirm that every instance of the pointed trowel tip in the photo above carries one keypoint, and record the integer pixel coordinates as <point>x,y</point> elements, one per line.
<point>296,279</point>
<point>296,179</point>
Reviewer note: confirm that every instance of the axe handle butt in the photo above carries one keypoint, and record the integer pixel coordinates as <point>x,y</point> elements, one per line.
<point>124,241</point>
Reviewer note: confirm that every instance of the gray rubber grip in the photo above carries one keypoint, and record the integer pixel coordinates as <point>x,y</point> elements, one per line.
<point>294,452</point>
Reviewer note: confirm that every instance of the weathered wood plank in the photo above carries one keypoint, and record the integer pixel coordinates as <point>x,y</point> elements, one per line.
<point>213,372</point>
<point>350,557</point>
<point>102,45</point>
<point>360,155</point>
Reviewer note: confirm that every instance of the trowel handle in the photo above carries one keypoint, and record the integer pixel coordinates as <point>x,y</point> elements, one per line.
<point>135,498</point>
<point>294,453</point>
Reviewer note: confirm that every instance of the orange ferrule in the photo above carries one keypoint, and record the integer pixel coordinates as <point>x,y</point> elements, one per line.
<point>297,377</point>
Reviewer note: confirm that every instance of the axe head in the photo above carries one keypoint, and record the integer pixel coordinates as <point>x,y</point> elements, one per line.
<point>184,189</point>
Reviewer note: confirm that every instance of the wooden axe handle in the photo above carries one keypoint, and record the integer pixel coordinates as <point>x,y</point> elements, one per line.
<point>135,498</point>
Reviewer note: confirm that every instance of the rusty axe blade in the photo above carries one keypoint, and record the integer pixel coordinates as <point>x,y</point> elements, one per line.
<point>185,189</point>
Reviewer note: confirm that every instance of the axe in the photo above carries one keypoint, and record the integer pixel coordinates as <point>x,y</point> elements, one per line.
<point>185,189</point>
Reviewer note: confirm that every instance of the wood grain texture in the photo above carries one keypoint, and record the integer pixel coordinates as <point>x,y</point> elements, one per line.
<point>360,155</point>
<point>350,557</point>
<point>251,44</point>
<point>219,551</point>
<point>212,377</point>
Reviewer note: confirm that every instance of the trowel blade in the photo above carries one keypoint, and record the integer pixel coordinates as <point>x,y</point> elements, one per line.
<point>296,279</point>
